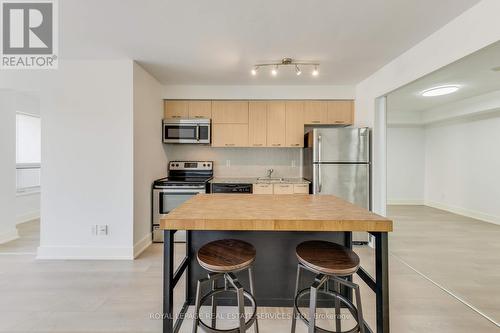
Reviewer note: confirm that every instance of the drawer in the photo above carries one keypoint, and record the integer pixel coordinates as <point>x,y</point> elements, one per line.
<point>262,189</point>
<point>283,188</point>
<point>301,188</point>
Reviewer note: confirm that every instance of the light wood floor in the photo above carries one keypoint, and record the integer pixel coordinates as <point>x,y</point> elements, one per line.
<point>439,263</point>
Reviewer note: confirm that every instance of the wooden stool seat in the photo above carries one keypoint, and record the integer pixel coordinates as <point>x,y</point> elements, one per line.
<point>327,258</point>
<point>226,255</point>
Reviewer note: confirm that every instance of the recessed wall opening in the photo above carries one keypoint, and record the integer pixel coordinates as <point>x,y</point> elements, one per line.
<point>442,177</point>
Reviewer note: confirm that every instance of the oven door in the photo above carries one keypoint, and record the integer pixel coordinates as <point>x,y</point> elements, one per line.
<point>164,201</point>
<point>186,133</point>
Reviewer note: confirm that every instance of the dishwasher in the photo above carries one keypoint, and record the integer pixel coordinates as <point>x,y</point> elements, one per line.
<point>231,188</point>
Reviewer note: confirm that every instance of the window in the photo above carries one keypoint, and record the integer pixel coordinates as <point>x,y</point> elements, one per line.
<point>28,152</point>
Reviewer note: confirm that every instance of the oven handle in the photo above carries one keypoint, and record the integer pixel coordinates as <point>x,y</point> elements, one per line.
<point>180,191</point>
<point>197,132</point>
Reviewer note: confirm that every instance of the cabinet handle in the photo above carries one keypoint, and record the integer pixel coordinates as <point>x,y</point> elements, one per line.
<point>257,144</point>
<point>199,117</point>
<point>315,121</point>
<point>295,144</point>
<point>229,144</point>
<point>276,144</point>
<point>176,116</point>
<point>339,122</point>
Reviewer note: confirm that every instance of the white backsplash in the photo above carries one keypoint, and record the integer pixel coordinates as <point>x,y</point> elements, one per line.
<point>242,162</point>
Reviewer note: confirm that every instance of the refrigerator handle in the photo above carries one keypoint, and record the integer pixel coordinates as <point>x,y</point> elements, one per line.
<point>319,164</point>
<point>319,148</point>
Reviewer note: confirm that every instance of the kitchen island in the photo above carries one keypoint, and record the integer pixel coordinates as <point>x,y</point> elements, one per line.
<point>275,225</point>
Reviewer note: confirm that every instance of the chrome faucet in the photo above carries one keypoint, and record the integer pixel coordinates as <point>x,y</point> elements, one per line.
<point>269,173</point>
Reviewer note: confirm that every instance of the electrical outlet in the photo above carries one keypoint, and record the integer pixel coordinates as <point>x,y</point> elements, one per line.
<point>294,164</point>
<point>100,230</point>
<point>228,163</point>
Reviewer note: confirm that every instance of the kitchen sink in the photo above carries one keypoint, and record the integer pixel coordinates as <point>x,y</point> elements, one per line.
<point>270,180</point>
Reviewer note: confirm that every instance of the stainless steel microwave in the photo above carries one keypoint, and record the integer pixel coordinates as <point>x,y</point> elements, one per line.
<point>177,130</point>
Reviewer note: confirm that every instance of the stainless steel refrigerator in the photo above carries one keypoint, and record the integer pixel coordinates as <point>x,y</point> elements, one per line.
<point>337,161</point>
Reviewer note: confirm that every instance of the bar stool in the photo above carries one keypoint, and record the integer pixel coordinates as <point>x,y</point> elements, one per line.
<point>222,259</point>
<point>330,262</point>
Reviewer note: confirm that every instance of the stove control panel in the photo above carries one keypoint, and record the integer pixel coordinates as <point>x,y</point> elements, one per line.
<point>191,165</point>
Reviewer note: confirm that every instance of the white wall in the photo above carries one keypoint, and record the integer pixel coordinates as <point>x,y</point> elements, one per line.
<point>8,229</point>
<point>27,206</point>
<point>150,161</point>
<point>242,162</point>
<point>462,167</point>
<point>87,158</point>
<point>467,33</point>
<point>405,164</point>
<point>258,92</point>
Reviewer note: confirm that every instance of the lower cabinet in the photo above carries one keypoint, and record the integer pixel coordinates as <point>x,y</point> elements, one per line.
<point>281,188</point>
<point>301,188</point>
<point>262,188</point>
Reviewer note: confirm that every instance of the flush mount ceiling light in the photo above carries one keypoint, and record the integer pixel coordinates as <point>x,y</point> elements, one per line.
<point>439,91</point>
<point>296,64</point>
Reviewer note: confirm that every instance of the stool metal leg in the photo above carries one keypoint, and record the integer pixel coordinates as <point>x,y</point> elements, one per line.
<point>214,305</point>
<point>294,313</point>
<point>312,308</point>
<point>338,328</point>
<point>250,276</point>
<point>241,299</point>
<point>360,311</point>
<point>197,307</point>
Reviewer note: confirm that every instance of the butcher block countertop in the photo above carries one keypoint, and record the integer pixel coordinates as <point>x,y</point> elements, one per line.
<point>268,212</point>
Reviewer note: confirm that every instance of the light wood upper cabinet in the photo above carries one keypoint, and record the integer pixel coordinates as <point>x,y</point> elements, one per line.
<point>230,112</point>
<point>257,124</point>
<point>341,112</point>
<point>230,135</point>
<point>294,124</point>
<point>276,115</point>
<point>176,109</point>
<point>200,109</point>
<point>315,112</point>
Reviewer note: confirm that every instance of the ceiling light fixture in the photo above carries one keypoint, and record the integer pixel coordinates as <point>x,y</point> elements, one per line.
<point>287,62</point>
<point>439,91</point>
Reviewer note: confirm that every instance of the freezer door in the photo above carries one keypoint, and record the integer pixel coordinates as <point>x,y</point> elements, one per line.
<point>350,182</point>
<point>341,145</point>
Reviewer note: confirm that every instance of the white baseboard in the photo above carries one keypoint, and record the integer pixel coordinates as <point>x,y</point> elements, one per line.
<point>142,245</point>
<point>465,212</point>
<point>8,236</point>
<point>405,202</point>
<point>28,217</point>
<point>85,253</point>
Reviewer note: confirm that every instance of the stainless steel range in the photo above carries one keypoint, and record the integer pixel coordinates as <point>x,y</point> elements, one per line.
<point>185,179</point>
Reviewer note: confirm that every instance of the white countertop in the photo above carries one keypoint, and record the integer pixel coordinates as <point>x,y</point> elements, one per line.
<point>254,180</point>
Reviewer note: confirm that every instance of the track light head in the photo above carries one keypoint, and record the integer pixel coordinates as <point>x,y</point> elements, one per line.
<point>297,70</point>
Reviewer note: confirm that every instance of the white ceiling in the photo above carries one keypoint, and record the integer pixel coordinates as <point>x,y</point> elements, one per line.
<point>216,42</point>
<point>473,73</point>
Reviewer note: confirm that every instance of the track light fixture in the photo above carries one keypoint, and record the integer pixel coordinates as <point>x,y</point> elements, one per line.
<point>287,62</point>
